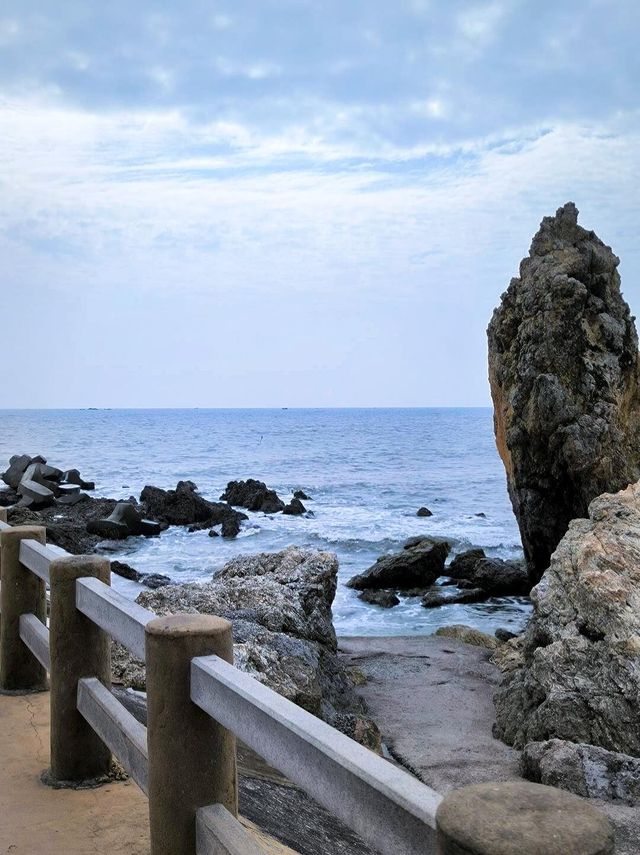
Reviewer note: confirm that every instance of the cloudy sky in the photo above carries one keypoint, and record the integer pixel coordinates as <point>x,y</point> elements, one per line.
<point>295,202</point>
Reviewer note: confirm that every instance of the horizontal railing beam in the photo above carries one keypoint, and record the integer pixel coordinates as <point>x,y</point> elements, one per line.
<point>218,832</point>
<point>36,636</point>
<point>117,728</point>
<point>37,557</point>
<point>387,807</point>
<point>123,619</point>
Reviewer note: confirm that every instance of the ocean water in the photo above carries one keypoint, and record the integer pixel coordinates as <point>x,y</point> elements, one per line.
<point>368,471</point>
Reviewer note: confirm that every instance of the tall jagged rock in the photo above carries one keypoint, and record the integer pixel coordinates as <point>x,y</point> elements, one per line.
<point>578,678</point>
<point>564,372</point>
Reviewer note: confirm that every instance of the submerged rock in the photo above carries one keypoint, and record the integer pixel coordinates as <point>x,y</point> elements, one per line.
<point>578,672</point>
<point>280,608</point>
<point>447,596</point>
<point>384,599</point>
<point>564,371</point>
<point>424,512</point>
<point>253,495</point>
<point>586,770</point>
<point>417,566</point>
<point>185,506</point>
<point>300,494</point>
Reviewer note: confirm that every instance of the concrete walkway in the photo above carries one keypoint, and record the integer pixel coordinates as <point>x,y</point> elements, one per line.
<point>38,820</point>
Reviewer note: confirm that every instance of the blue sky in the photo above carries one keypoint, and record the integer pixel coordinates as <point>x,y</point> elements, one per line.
<point>295,202</point>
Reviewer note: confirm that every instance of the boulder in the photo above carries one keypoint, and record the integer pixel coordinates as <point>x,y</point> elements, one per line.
<point>185,506</point>
<point>294,508</point>
<point>578,675</point>
<point>300,494</point>
<point>564,371</point>
<point>464,564</point>
<point>585,770</point>
<point>125,570</point>
<point>124,520</point>
<point>446,596</point>
<point>384,599</point>
<point>280,608</point>
<point>501,578</point>
<point>253,495</point>
<point>424,512</point>
<point>468,635</point>
<point>415,567</point>
<point>503,634</point>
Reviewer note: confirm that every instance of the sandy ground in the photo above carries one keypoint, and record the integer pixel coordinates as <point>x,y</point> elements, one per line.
<point>38,820</point>
<point>432,699</point>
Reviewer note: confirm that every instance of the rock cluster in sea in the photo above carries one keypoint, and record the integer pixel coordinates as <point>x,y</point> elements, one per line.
<point>470,578</point>
<point>280,608</point>
<point>564,374</point>
<point>575,674</point>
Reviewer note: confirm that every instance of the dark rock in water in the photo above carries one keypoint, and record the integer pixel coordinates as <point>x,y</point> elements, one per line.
<point>213,533</point>
<point>185,506</point>
<point>253,495</point>
<point>578,674</point>
<point>424,512</point>
<point>564,371</point>
<point>300,494</point>
<point>585,770</point>
<point>385,599</point>
<point>126,571</point>
<point>481,514</point>
<point>464,564</point>
<point>124,520</point>
<point>154,580</point>
<point>416,566</point>
<point>294,508</point>
<point>444,597</point>
<point>280,608</point>
<point>231,525</point>
<point>504,634</point>
<point>502,578</point>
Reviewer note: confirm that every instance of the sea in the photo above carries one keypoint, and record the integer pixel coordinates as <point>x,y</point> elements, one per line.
<point>367,472</point>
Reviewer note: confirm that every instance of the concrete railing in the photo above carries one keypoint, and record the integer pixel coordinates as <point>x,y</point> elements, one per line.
<point>197,703</point>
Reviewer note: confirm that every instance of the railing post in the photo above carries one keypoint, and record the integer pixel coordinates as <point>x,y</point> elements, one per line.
<point>192,759</point>
<point>520,818</point>
<point>21,592</point>
<point>78,649</point>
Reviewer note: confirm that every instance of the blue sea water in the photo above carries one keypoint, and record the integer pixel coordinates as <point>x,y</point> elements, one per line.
<point>368,470</point>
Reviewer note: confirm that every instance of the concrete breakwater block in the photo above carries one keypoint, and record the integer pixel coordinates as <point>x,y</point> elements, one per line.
<point>124,521</point>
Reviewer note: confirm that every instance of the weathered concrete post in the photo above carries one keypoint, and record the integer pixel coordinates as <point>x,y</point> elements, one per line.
<point>21,592</point>
<point>78,649</point>
<point>520,818</point>
<point>192,759</point>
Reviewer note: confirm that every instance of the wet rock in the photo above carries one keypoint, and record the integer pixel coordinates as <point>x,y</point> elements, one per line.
<point>300,494</point>
<point>564,371</point>
<point>385,599</point>
<point>72,476</point>
<point>441,596</point>
<point>253,495</point>
<point>124,521</point>
<point>416,566</point>
<point>501,578</point>
<point>504,634</point>
<point>213,533</point>
<point>294,508</point>
<point>424,512</point>
<point>185,506</point>
<point>464,564</point>
<point>280,608</point>
<point>586,770</point>
<point>468,635</point>
<point>154,580</point>
<point>125,570</point>
<point>578,677</point>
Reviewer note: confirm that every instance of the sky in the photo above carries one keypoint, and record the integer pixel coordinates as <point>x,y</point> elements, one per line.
<point>295,202</point>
